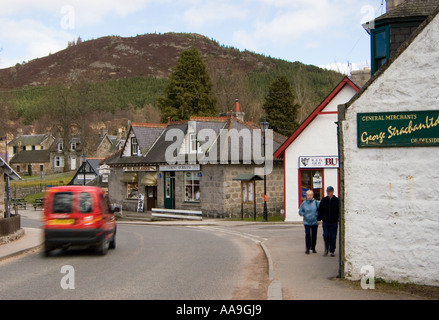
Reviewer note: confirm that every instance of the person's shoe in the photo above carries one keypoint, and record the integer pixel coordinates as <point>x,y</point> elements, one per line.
<point>314,251</point>
<point>307,252</point>
<point>325,254</point>
<point>332,254</point>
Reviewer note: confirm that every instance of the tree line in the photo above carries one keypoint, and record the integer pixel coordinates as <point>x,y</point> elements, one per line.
<point>192,89</point>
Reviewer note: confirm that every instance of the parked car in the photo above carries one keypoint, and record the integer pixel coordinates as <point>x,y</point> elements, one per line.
<point>78,216</point>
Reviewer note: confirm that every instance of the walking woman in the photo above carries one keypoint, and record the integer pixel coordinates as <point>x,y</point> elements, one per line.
<point>309,211</point>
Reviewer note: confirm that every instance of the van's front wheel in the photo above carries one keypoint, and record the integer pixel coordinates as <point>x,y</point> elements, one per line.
<point>113,243</point>
<point>102,248</point>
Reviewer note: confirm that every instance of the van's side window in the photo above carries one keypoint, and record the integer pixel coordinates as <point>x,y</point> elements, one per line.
<point>85,203</point>
<point>105,204</point>
<point>62,202</point>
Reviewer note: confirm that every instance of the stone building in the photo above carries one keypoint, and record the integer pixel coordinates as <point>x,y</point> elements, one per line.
<point>192,164</point>
<point>32,162</point>
<point>389,173</point>
<point>29,142</point>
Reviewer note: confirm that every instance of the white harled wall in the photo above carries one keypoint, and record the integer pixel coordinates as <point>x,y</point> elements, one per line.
<point>392,194</point>
<point>318,139</point>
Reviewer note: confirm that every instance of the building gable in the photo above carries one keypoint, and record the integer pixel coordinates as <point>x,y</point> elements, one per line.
<point>280,153</point>
<point>140,138</point>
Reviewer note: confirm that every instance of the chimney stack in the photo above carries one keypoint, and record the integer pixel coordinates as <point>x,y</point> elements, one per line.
<point>237,113</point>
<point>390,4</point>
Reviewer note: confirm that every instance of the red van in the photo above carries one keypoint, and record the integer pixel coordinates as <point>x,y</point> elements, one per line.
<point>78,216</point>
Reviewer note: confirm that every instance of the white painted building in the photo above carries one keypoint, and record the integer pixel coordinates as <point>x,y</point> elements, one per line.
<point>390,169</point>
<point>311,153</point>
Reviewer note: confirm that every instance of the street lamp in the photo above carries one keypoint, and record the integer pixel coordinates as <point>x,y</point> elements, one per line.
<point>84,164</point>
<point>264,127</point>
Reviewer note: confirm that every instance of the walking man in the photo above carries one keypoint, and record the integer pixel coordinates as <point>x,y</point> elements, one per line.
<point>328,213</point>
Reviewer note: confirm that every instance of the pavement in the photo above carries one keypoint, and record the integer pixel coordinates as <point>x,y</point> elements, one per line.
<point>293,275</point>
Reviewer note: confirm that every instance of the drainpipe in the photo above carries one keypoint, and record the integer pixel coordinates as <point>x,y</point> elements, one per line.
<point>341,229</point>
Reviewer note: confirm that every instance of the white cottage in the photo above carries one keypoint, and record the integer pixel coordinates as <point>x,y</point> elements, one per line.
<point>311,153</point>
<point>390,169</point>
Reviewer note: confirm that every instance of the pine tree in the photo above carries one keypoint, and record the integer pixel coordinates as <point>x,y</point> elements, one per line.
<point>189,92</point>
<point>280,107</point>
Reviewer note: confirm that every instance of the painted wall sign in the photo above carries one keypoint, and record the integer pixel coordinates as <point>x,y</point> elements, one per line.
<point>318,162</point>
<point>398,129</point>
<point>180,167</point>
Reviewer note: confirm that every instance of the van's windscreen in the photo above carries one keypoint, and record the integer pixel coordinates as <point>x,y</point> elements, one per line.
<point>62,202</point>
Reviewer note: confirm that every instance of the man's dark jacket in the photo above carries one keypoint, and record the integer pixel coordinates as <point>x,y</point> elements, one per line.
<point>328,210</point>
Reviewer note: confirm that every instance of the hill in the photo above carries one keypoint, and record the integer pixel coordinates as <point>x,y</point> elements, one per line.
<point>139,66</point>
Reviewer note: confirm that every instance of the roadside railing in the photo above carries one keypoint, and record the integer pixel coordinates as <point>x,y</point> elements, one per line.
<point>177,214</point>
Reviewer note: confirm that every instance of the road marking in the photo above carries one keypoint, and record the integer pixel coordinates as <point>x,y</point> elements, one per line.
<point>275,288</point>
<point>249,236</point>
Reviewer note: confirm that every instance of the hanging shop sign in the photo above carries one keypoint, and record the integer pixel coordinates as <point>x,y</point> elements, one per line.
<point>318,162</point>
<point>398,129</point>
<point>140,168</point>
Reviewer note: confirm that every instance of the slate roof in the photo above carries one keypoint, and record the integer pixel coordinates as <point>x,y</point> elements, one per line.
<point>147,134</point>
<point>28,140</point>
<point>31,156</point>
<point>157,152</point>
<point>153,144</point>
<point>54,146</point>
<point>411,8</point>
<point>245,148</point>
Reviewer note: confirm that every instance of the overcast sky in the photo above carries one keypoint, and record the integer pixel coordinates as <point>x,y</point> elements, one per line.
<point>318,32</point>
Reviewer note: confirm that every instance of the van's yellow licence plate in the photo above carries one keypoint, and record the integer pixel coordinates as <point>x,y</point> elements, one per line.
<point>60,222</point>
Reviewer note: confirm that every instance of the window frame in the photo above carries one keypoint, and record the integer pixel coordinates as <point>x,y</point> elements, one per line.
<point>59,159</point>
<point>377,61</point>
<point>192,187</point>
<point>134,146</point>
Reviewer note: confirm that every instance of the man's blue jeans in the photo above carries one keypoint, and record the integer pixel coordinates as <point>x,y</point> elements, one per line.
<point>330,236</point>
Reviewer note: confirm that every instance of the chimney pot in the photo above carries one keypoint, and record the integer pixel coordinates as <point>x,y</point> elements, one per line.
<point>237,106</point>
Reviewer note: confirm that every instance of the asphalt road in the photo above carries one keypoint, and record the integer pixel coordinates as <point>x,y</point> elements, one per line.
<point>149,262</point>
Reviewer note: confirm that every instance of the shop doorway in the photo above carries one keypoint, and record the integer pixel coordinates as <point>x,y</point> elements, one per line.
<point>150,197</point>
<point>311,179</point>
<point>169,189</point>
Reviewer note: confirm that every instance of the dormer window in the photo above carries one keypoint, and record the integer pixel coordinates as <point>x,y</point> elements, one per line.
<point>60,146</point>
<point>380,47</point>
<point>73,146</point>
<point>193,143</point>
<point>134,147</point>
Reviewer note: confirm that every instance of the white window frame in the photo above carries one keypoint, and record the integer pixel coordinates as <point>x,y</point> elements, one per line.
<point>194,145</point>
<point>134,146</point>
<point>58,162</point>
